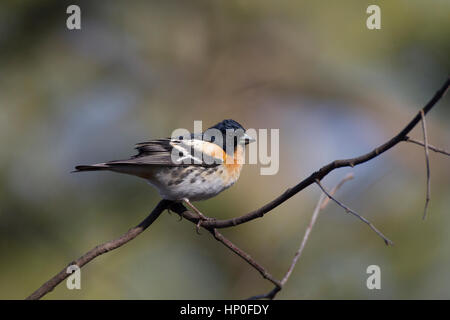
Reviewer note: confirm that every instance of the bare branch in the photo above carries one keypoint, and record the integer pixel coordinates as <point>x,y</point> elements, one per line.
<point>427,159</point>
<point>181,210</point>
<point>325,202</point>
<point>347,209</point>
<point>297,255</point>
<point>101,249</point>
<point>270,295</point>
<point>321,204</point>
<point>266,275</point>
<point>430,147</point>
<point>325,170</point>
<point>212,224</point>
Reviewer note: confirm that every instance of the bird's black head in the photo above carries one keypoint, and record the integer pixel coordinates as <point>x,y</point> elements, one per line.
<point>233,129</point>
<point>227,124</point>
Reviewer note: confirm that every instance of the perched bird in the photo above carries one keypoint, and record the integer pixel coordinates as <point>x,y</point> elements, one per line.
<point>188,168</point>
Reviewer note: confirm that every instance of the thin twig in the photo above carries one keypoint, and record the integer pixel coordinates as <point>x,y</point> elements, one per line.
<point>347,209</point>
<point>325,202</point>
<point>181,210</point>
<point>266,275</point>
<point>321,204</point>
<point>427,159</point>
<point>430,147</point>
<point>305,238</point>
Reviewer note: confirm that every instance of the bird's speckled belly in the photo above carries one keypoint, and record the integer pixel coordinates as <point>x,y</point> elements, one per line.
<point>194,182</point>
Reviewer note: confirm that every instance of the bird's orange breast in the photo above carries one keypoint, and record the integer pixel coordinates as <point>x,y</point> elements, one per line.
<point>232,164</point>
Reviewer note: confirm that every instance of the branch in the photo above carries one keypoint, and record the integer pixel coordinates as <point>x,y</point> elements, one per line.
<point>347,209</point>
<point>427,160</point>
<point>211,224</point>
<point>430,147</point>
<point>181,210</point>
<point>322,172</point>
<point>321,204</point>
<point>266,275</point>
<point>101,249</point>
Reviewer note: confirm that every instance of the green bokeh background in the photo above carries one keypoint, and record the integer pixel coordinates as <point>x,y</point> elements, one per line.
<point>139,69</point>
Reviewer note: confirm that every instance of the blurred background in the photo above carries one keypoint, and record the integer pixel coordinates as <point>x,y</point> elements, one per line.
<point>139,69</point>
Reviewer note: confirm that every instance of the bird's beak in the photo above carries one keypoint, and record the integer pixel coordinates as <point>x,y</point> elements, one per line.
<point>246,139</point>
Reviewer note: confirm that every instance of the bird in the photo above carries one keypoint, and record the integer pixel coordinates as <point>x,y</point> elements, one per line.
<point>187,168</point>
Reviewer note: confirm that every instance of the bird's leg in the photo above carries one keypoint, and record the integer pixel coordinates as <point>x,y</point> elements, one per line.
<point>200,215</point>
<point>190,205</point>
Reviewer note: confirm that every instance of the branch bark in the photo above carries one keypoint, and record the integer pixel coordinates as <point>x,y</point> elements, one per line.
<point>101,249</point>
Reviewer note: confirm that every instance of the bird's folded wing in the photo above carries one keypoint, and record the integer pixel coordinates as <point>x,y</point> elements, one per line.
<point>174,152</point>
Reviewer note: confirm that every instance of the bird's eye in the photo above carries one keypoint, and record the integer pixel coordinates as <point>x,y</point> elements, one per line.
<point>213,139</point>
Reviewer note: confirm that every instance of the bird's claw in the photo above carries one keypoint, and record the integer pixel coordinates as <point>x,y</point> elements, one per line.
<point>197,227</point>
<point>170,212</point>
<point>200,221</point>
<point>201,217</point>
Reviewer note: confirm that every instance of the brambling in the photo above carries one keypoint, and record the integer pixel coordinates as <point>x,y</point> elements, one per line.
<point>187,168</point>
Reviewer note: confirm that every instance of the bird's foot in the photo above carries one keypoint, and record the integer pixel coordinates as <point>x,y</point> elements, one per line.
<point>201,220</point>
<point>201,217</point>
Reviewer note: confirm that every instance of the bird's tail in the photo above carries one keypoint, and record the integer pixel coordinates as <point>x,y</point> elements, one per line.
<point>92,167</point>
<point>119,166</point>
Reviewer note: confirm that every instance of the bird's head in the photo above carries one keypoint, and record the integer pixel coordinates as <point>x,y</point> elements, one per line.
<point>232,129</point>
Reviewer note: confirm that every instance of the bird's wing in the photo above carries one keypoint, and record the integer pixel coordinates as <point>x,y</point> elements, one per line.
<point>174,152</point>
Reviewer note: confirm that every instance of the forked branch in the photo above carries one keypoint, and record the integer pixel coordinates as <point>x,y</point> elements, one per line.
<point>321,204</point>
<point>348,210</point>
<point>213,225</point>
